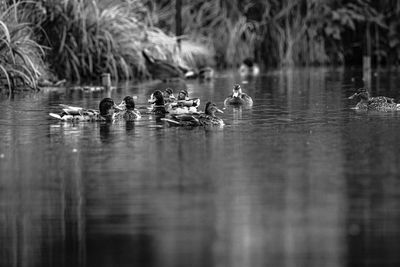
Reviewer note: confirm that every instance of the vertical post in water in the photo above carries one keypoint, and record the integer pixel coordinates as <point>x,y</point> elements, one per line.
<point>178,21</point>
<point>106,83</point>
<point>367,57</point>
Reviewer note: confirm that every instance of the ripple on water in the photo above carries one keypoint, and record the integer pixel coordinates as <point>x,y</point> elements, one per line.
<point>299,165</point>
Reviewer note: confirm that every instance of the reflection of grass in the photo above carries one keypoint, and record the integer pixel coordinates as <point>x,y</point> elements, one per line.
<point>20,55</point>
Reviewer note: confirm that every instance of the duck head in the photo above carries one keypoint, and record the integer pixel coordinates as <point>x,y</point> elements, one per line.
<point>128,103</point>
<point>107,108</point>
<point>169,93</point>
<point>183,95</point>
<point>237,90</point>
<point>157,98</point>
<point>248,62</point>
<point>211,108</point>
<point>361,93</point>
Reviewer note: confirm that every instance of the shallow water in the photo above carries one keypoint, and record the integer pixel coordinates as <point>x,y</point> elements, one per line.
<point>299,179</point>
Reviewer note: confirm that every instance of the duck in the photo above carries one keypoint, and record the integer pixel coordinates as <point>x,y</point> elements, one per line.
<point>169,96</point>
<point>106,112</point>
<point>378,103</point>
<point>208,118</point>
<point>238,98</point>
<point>129,113</point>
<point>206,73</point>
<point>157,103</point>
<point>161,69</point>
<point>184,104</point>
<point>249,68</point>
<point>191,74</point>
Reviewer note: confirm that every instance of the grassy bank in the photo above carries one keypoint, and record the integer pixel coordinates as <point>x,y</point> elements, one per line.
<point>78,40</point>
<point>87,38</point>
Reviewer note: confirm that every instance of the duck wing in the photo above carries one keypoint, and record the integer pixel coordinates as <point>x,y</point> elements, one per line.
<point>183,120</point>
<point>71,110</point>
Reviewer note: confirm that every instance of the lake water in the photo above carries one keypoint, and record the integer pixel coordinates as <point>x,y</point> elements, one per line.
<point>299,179</point>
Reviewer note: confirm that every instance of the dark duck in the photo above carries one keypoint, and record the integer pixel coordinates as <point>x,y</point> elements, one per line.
<point>249,68</point>
<point>206,73</point>
<point>129,113</point>
<point>238,98</point>
<point>157,103</point>
<point>208,118</point>
<point>378,103</point>
<point>106,112</point>
<point>161,69</point>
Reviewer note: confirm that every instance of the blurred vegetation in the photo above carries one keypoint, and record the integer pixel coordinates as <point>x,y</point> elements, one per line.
<point>289,32</point>
<point>80,39</point>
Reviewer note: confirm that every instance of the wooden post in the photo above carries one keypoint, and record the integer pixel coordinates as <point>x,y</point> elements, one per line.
<point>106,80</point>
<point>367,56</point>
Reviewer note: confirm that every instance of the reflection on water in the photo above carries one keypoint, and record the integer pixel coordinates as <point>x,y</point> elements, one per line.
<point>299,179</point>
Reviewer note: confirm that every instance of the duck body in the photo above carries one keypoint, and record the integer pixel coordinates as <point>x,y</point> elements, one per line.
<point>207,118</point>
<point>206,73</point>
<point>188,106</point>
<point>157,103</point>
<point>106,112</point>
<point>378,103</point>
<point>238,98</point>
<point>129,113</point>
<point>71,113</point>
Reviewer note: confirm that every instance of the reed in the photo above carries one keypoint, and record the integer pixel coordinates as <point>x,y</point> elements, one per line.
<point>223,29</point>
<point>21,57</point>
<point>90,37</point>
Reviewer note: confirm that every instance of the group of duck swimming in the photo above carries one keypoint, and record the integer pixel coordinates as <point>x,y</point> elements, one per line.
<point>176,111</point>
<point>183,111</point>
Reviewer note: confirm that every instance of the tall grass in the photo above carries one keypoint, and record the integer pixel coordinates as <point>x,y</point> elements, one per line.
<point>287,32</point>
<point>21,57</point>
<point>218,24</point>
<point>88,38</point>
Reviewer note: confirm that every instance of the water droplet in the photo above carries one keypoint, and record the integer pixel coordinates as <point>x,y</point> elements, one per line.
<point>74,150</point>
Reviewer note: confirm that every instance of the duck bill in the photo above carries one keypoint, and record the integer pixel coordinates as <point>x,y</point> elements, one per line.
<point>352,96</point>
<point>151,99</point>
<point>117,108</point>
<point>219,111</point>
<point>122,106</point>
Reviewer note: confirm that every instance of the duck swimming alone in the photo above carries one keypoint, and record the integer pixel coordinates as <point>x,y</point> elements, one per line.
<point>238,97</point>
<point>378,103</point>
<point>249,68</point>
<point>106,112</point>
<point>130,113</point>
<point>206,73</point>
<point>207,118</point>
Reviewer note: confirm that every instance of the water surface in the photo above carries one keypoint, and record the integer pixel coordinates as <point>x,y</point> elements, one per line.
<point>299,179</point>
